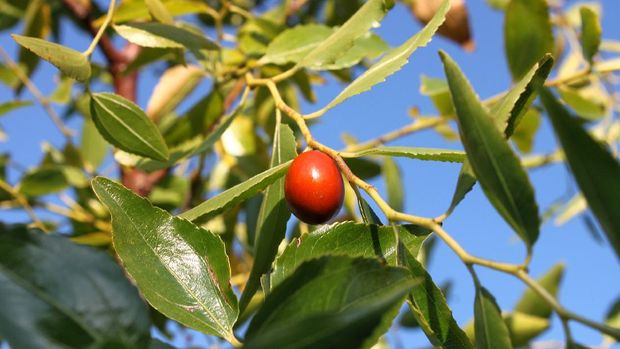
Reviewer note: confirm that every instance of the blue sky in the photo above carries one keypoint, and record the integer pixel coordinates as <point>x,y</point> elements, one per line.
<point>591,280</point>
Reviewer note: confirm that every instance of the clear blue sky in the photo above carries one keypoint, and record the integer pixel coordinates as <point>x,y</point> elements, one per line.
<point>592,279</point>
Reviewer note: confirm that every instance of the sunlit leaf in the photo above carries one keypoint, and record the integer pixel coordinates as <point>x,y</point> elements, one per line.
<point>495,164</point>
<point>531,303</point>
<point>163,36</point>
<point>429,154</point>
<point>181,269</point>
<point>590,32</point>
<point>393,60</point>
<point>126,126</point>
<point>394,184</point>
<point>70,62</point>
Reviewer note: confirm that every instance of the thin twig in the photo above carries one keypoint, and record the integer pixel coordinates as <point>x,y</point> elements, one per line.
<point>37,94</point>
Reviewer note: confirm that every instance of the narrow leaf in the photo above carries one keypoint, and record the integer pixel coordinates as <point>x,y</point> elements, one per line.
<point>70,62</point>
<point>590,33</point>
<point>173,86</point>
<point>163,36</point>
<point>352,285</point>
<point>491,331</point>
<point>93,146</point>
<point>394,184</point>
<point>392,61</point>
<point>431,310</point>
<point>181,269</point>
<point>126,126</point>
<point>44,308</point>
<point>273,215</point>
<point>495,164</point>
<point>528,34</point>
<point>446,155</point>
<point>530,302</point>
<point>594,167</point>
<point>236,194</point>
<point>342,39</point>
<point>7,107</point>
<point>348,238</point>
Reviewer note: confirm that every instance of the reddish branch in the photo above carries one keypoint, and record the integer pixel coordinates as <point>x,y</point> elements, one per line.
<point>124,85</point>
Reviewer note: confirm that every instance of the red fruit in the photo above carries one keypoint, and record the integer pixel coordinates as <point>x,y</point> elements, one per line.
<point>313,187</point>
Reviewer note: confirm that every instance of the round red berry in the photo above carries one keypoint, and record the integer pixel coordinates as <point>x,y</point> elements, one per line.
<point>313,187</point>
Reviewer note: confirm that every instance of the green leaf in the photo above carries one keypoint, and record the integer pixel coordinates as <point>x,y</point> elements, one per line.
<point>164,36</point>
<point>337,44</point>
<point>236,194</point>
<point>7,107</point>
<point>368,46</point>
<point>70,62</point>
<point>393,60</point>
<point>62,93</point>
<point>363,168</point>
<point>197,120</point>
<point>348,238</point>
<point>525,132</point>
<point>394,184</point>
<point>612,318</point>
<point>513,106</point>
<point>174,85</point>
<point>126,126</point>
<point>159,11</point>
<point>92,146</point>
<point>491,331</point>
<point>507,113</point>
<point>273,215</point>
<point>590,33</point>
<point>495,164</point>
<point>136,11</point>
<point>528,34</point>
<point>353,285</point>
<point>368,214</point>
<point>446,155</point>
<point>523,327</point>
<point>531,303</point>
<point>44,308</point>
<point>594,167</point>
<point>293,44</point>
<point>431,311</point>
<point>181,269</point>
<point>42,181</point>
<point>438,91</point>
<point>36,24</point>
<point>192,147</point>
<point>585,102</point>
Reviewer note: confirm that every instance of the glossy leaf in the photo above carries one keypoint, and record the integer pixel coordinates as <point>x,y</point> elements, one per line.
<point>447,155</point>
<point>236,194</point>
<point>496,166</point>
<point>70,62</point>
<point>348,238</point>
<point>530,302</point>
<point>491,331</point>
<point>394,184</point>
<point>44,308</point>
<point>342,39</point>
<point>590,33</point>
<point>126,126</point>
<point>527,25</point>
<point>431,311</point>
<point>181,269</point>
<point>272,216</point>
<point>594,167</point>
<point>393,60</point>
<point>352,285</point>
<point>164,36</point>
